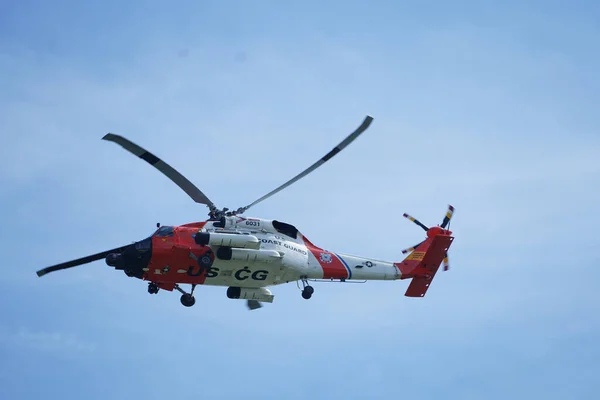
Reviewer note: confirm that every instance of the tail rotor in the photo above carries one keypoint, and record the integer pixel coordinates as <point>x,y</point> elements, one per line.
<point>419,223</point>
<point>432,232</point>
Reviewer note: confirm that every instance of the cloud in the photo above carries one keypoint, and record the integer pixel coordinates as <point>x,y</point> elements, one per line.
<point>46,341</point>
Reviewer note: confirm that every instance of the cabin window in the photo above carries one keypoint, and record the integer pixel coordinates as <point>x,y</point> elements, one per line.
<point>286,229</point>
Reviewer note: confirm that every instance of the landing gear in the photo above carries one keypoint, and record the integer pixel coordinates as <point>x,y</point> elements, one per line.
<point>152,288</point>
<point>307,290</point>
<point>187,299</point>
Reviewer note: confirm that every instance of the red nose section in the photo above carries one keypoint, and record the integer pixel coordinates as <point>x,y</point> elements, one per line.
<point>436,230</point>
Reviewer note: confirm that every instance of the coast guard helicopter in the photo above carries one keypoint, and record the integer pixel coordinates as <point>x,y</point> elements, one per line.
<point>247,255</point>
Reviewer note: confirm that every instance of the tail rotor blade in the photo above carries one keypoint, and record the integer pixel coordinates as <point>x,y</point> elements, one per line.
<point>411,248</point>
<point>448,216</point>
<point>416,221</point>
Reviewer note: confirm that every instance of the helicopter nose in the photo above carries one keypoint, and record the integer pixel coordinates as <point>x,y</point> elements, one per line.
<point>133,259</point>
<point>115,260</point>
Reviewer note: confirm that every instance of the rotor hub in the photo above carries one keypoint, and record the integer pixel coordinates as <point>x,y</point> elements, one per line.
<point>436,230</point>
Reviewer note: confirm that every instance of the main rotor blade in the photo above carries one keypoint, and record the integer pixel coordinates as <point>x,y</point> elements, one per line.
<point>349,139</point>
<point>79,261</point>
<point>180,180</point>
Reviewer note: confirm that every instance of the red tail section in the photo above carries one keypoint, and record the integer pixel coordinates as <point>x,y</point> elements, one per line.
<point>423,263</point>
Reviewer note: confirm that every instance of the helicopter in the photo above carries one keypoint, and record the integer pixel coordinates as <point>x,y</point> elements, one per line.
<point>248,255</point>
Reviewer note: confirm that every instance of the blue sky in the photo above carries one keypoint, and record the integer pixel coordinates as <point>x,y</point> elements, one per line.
<point>490,107</point>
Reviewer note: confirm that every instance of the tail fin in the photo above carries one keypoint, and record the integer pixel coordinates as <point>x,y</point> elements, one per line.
<point>422,264</point>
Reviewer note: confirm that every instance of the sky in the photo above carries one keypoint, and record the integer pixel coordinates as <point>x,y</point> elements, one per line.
<point>488,106</point>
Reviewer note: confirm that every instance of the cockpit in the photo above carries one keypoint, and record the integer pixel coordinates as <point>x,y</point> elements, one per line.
<point>164,231</point>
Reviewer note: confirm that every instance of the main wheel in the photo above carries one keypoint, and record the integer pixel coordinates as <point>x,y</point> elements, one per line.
<point>307,292</point>
<point>187,300</point>
<point>152,288</point>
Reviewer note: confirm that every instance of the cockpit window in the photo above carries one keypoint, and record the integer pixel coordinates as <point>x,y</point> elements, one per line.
<point>165,231</point>
<point>144,245</point>
<point>286,229</point>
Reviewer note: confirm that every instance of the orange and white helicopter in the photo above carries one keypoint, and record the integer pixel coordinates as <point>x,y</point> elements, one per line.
<point>248,255</point>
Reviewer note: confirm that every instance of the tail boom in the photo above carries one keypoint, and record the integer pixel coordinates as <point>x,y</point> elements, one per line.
<point>423,263</point>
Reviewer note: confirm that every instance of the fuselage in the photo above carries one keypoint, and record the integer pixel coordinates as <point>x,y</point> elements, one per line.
<point>250,253</point>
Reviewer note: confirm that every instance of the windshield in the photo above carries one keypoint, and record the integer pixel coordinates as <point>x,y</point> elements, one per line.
<point>164,231</point>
